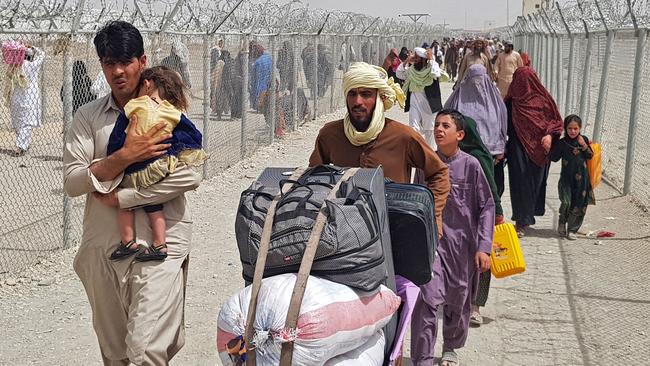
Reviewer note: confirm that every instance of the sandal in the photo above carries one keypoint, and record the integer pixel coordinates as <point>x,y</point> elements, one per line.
<point>153,253</point>
<point>125,250</point>
<point>449,358</point>
<point>521,230</point>
<point>476,318</point>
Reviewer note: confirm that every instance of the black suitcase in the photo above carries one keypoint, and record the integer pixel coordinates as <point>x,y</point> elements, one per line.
<point>413,230</point>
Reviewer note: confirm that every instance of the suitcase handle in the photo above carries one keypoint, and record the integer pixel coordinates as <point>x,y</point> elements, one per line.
<point>320,170</point>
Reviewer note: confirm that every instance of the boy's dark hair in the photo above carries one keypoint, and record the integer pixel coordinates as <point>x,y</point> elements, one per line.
<point>459,119</point>
<point>572,118</point>
<point>169,84</point>
<point>118,41</point>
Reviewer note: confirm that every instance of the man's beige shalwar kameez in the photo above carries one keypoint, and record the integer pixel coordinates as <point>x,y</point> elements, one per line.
<point>138,307</point>
<point>505,67</point>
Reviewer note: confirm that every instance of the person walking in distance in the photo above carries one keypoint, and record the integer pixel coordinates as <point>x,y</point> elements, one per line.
<point>25,100</point>
<point>422,87</point>
<point>507,62</point>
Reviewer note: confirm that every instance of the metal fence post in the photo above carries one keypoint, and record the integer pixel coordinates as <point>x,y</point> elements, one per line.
<point>44,105</point>
<point>294,92</point>
<point>540,55</point>
<point>244,96</point>
<point>378,51</point>
<point>586,81</point>
<point>553,68</point>
<point>67,121</point>
<point>641,35</point>
<point>602,91</point>
<point>207,87</point>
<point>569,88</point>
<point>314,77</point>
<point>559,74</point>
<point>550,50</point>
<point>547,66</point>
<point>272,103</point>
<point>537,56</point>
<point>335,60</point>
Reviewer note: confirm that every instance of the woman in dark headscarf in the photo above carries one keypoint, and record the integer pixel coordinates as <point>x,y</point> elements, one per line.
<point>223,96</point>
<point>81,83</point>
<point>534,122</point>
<point>285,66</point>
<point>477,97</point>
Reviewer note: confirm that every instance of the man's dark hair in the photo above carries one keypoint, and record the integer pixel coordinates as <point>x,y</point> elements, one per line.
<point>459,119</point>
<point>118,41</point>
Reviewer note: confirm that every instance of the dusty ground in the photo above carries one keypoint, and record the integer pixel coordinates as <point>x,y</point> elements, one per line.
<point>578,303</point>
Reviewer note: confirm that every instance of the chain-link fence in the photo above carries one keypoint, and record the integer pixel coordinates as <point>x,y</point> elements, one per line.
<point>255,70</point>
<point>593,57</point>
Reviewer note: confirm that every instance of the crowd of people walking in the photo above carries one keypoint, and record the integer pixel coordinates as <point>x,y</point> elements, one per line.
<point>509,120</point>
<point>499,119</point>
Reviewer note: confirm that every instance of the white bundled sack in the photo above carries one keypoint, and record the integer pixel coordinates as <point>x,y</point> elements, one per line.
<point>333,320</point>
<point>370,354</point>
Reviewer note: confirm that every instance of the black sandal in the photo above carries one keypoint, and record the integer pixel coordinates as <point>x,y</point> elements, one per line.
<point>125,250</point>
<point>153,253</point>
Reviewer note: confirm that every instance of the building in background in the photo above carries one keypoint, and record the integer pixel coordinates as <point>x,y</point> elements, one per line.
<point>533,6</point>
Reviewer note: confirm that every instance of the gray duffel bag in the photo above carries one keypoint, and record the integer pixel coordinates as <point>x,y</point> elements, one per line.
<point>352,247</point>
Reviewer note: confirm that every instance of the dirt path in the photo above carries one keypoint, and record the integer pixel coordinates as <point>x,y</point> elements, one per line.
<point>578,303</point>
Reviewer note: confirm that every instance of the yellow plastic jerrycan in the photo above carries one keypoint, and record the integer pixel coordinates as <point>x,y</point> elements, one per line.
<point>506,257</point>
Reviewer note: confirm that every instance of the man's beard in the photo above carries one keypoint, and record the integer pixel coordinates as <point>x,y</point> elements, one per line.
<point>419,65</point>
<point>361,125</point>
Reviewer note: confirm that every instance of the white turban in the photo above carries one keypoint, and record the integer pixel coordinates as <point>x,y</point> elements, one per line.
<point>420,52</point>
<point>363,75</point>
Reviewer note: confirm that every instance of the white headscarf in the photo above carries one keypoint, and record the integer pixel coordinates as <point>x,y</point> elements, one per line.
<point>363,75</point>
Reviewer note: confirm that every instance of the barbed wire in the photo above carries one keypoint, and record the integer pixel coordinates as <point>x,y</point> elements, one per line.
<point>195,16</point>
<point>582,16</point>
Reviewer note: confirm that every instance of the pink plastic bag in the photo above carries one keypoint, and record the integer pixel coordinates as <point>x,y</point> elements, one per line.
<point>13,53</point>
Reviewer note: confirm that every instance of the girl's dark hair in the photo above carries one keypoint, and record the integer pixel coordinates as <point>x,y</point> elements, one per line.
<point>118,41</point>
<point>169,83</point>
<point>572,118</point>
<point>459,119</point>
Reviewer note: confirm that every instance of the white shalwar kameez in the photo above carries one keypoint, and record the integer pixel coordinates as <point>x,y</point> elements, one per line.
<point>26,102</point>
<point>421,118</point>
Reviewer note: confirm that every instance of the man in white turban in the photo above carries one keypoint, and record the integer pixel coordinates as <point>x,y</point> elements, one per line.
<point>366,138</point>
<point>422,87</point>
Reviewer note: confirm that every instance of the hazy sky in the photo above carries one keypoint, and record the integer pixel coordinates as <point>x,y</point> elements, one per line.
<point>473,14</point>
